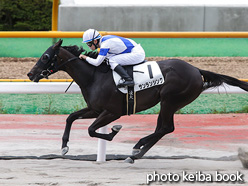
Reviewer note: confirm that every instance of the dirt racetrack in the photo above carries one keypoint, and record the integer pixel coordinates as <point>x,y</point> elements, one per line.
<point>17,68</point>
<point>200,144</point>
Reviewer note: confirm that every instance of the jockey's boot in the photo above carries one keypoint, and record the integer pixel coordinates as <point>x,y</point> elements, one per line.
<point>128,81</point>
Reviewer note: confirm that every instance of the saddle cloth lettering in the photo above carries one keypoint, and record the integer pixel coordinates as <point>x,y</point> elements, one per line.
<point>145,75</point>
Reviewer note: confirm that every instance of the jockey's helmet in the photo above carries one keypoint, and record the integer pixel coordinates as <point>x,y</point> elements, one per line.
<point>91,35</point>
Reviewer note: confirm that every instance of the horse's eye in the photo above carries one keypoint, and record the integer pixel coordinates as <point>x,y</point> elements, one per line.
<point>45,58</point>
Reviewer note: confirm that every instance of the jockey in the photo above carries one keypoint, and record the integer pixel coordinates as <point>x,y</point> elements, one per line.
<point>118,51</point>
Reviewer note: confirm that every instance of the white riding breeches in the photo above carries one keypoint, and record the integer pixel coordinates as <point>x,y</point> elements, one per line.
<point>137,55</point>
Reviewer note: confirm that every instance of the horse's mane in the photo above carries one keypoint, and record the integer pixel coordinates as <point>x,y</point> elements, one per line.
<point>75,50</point>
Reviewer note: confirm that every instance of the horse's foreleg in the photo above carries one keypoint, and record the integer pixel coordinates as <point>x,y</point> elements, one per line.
<point>102,120</point>
<point>85,113</point>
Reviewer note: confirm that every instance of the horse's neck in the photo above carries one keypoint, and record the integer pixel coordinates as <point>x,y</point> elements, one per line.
<point>80,71</point>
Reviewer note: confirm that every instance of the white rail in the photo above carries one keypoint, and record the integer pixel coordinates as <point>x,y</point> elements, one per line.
<point>60,87</point>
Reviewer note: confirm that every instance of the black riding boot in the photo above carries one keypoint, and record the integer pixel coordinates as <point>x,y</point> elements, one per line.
<point>128,81</point>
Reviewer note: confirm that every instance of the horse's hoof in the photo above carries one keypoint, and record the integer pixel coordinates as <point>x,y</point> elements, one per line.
<point>136,151</point>
<point>129,160</point>
<point>64,150</point>
<point>116,128</point>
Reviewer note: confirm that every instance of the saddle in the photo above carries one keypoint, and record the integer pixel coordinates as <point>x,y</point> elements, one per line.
<point>145,75</point>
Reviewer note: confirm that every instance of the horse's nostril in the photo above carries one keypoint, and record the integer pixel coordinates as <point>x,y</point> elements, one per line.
<point>29,74</point>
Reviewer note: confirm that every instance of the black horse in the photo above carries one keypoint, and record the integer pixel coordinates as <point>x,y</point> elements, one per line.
<point>183,84</point>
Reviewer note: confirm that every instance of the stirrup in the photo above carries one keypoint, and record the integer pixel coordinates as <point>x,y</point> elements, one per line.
<point>129,83</point>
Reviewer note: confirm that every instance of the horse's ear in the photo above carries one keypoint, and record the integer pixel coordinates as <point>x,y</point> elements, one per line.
<point>58,44</point>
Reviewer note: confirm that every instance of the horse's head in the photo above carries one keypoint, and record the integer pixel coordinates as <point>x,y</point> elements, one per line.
<point>47,63</point>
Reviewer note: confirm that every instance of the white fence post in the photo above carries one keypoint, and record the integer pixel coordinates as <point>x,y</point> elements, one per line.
<point>102,144</point>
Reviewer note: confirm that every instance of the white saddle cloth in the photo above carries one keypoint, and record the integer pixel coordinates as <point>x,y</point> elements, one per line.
<point>145,75</point>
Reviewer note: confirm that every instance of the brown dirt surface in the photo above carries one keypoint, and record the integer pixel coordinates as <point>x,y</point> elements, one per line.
<point>17,68</point>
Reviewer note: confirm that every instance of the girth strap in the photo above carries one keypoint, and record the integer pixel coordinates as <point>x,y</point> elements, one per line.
<point>131,94</point>
<point>131,101</point>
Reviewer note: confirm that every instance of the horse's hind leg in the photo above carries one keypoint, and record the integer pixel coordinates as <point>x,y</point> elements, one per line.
<point>102,120</point>
<point>165,125</point>
<point>143,141</point>
<point>85,113</point>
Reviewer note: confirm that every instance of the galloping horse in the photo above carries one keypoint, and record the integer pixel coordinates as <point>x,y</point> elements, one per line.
<point>183,83</point>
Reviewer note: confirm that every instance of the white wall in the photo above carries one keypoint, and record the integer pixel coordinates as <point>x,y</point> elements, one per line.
<point>77,17</point>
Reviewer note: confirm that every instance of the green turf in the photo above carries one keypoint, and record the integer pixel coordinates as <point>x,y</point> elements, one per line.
<point>168,47</point>
<point>68,103</point>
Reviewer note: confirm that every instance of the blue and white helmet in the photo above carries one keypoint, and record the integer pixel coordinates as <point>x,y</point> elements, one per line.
<point>91,35</point>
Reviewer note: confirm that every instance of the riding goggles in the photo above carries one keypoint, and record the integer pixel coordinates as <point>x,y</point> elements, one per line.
<point>89,43</point>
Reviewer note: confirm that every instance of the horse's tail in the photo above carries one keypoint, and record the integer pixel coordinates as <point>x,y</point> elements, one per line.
<point>212,79</point>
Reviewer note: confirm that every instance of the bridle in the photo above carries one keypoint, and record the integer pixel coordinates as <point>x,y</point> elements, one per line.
<point>54,67</point>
